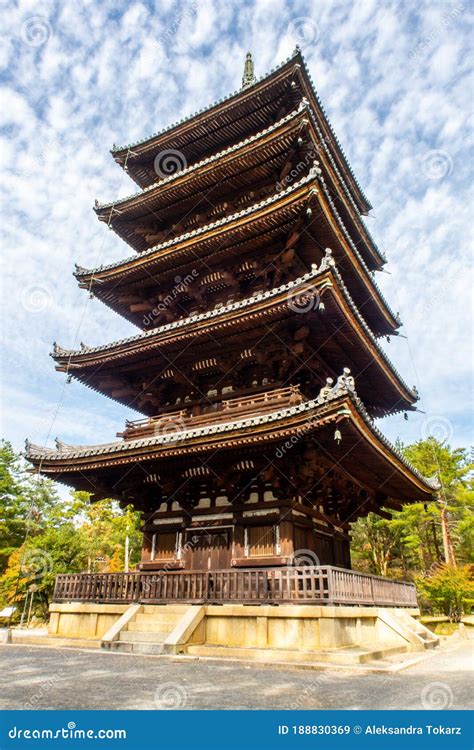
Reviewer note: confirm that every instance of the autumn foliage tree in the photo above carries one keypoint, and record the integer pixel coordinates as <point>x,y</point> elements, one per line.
<point>42,534</point>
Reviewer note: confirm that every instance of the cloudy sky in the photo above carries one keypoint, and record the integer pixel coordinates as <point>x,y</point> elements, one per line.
<point>79,76</point>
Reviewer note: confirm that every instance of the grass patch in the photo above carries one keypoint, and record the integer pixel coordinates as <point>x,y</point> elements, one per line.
<point>440,626</point>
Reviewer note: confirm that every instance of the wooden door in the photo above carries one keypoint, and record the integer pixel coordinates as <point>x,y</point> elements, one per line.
<point>208,549</point>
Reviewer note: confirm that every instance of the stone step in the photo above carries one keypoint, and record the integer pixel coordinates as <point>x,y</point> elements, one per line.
<point>135,647</point>
<point>429,639</point>
<point>428,635</point>
<point>127,636</point>
<point>153,609</point>
<point>344,656</point>
<point>150,627</point>
<point>431,642</point>
<point>421,630</point>
<point>152,620</point>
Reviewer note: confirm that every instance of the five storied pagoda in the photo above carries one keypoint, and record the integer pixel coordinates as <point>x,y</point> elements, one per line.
<point>257,366</point>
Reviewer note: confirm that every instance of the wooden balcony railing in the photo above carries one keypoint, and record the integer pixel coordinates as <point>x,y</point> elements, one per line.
<point>235,408</point>
<point>295,585</point>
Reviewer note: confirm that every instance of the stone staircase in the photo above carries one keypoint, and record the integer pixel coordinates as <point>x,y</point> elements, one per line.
<point>147,632</point>
<point>417,635</point>
<point>426,638</point>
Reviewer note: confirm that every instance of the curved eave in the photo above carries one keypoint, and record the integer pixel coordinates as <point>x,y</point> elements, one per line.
<point>300,117</point>
<point>392,321</point>
<point>394,476</point>
<point>256,309</point>
<point>291,122</point>
<point>374,256</point>
<point>338,153</point>
<point>182,242</point>
<point>178,249</point>
<point>293,64</point>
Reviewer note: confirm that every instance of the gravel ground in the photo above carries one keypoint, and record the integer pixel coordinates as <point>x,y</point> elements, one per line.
<point>51,678</point>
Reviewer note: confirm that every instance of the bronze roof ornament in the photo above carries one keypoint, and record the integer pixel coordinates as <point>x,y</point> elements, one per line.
<point>249,77</point>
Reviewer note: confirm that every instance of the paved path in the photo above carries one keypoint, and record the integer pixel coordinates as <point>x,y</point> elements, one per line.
<point>50,678</point>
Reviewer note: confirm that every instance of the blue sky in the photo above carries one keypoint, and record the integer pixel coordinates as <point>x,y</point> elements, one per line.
<point>79,76</point>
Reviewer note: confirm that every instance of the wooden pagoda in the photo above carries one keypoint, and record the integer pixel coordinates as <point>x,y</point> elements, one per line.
<point>257,366</point>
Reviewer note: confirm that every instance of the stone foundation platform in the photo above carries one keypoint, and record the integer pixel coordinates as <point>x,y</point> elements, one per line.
<point>284,633</point>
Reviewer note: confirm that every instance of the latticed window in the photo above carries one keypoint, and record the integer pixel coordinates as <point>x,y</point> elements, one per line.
<point>165,546</point>
<point>260,541</point>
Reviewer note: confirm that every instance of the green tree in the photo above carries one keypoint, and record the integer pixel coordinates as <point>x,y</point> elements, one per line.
<point>449,590</point>
<point>412,541</point>
<point>456,496</point>
<point>26,502</point>
<point>375,545</point>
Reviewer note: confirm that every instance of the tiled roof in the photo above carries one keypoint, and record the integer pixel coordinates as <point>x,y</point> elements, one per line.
<point>343,387</point>
<point>236,94</point>
<point>315,173</point>
<point>209,159</point>
<point>202,230</point>
<point>304,106</point>
<point>326,264</point>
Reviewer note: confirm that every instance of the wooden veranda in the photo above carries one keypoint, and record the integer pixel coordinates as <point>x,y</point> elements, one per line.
<point>322,585</point>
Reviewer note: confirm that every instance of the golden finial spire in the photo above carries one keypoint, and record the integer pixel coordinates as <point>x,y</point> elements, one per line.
<point>249,76</point>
